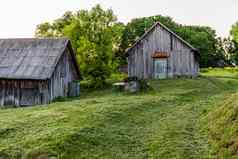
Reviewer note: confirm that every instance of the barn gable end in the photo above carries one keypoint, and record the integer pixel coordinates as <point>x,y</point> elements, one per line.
<point>181,56</point>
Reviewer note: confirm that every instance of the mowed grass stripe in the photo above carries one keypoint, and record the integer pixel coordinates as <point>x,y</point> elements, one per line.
<point>163,123</point>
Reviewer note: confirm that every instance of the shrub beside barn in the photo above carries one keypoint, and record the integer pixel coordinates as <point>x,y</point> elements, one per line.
<point>36,71</point>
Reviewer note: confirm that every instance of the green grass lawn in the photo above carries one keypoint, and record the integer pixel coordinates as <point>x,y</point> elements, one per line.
<point>172,121</point>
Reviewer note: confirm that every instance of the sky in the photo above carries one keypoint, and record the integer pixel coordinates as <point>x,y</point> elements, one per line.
<point>19,18</point>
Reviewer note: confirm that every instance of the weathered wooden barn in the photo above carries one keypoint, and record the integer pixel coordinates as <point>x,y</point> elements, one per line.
<point>160,53</point>
<point>36,71</point>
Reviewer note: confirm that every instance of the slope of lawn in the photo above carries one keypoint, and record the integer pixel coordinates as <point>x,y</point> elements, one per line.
<point>222,123</point>
<point>222,127</point>
<point>166,123</point>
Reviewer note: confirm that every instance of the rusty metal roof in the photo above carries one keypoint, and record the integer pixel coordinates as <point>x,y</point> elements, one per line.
<point>31,58</point>
<point>159,54</point>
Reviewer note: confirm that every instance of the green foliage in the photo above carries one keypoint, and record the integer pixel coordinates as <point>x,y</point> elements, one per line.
<point>234,32</point>
<point>231,72</point>
<point>204,39</point>
<point>231,44</point>
<point>56,28</point>
<point>101,41</point>
<point>167,123</point>
<point>92,35</point>
<point>95,34</point>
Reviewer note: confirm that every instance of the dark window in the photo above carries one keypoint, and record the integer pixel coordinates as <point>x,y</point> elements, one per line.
<point>28,96</point>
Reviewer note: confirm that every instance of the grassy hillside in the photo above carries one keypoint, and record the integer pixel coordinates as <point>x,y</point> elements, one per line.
<point>166,123</point>
<point>221,124</point>
<point>222,127</point>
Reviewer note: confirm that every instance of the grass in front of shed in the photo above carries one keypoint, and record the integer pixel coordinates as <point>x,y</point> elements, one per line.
<point>165,123</point>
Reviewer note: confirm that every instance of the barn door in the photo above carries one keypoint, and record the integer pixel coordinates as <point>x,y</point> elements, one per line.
<point>29,96</point>
<point>160,68</point>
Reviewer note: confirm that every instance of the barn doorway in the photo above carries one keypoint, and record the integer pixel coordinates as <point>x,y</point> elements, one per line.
<point>160,68</point>
<point>160,64</point>
<point>29,96</point>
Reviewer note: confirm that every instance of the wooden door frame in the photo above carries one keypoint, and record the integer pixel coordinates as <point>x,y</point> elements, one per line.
<point>164,58</point>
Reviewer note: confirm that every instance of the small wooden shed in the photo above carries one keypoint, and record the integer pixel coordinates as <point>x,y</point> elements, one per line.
<point>36,71</point>
<point>160,53</point>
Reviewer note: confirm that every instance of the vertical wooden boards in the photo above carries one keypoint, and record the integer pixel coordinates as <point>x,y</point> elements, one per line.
<point>64,74</point>
<point>181,59</point>
<point>33,92</point>
<point>22,92</point>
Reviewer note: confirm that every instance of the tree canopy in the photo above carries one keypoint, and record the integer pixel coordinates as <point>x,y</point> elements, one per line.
<point>231,44</point>
<point>101,40</point>
<point>95,34</point>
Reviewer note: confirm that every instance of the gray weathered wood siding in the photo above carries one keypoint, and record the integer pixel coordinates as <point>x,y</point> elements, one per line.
<point>33,92</point>
<point>64,74</point>
<point>181,61</point>
<point>23,92</point>
<point>36,71</point>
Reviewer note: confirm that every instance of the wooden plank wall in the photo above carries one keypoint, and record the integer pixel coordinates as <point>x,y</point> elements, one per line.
<point>181,61</point>
<point>64,74</point>
<point>34,92</point>
<point>23,92</point>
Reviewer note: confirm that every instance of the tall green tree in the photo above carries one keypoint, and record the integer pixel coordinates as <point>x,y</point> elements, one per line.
<point>205,40</point>
<point>234,32</point>
<point>56,28</point>
<point>232,42</point>
<point>95,34</point>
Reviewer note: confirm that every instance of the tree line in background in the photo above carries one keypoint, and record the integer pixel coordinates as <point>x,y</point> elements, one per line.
<point>101,40</point>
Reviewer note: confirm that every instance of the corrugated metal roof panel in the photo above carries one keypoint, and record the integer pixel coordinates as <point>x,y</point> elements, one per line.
<point>30,58</point>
